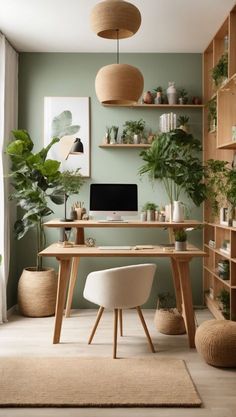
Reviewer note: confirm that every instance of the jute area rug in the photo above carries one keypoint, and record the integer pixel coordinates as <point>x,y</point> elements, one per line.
<point>95,382</point>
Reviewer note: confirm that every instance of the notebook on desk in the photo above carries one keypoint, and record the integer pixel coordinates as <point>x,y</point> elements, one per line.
<point>115,247</point>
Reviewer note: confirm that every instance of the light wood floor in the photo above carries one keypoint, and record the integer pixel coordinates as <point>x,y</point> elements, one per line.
<point>33,337</point>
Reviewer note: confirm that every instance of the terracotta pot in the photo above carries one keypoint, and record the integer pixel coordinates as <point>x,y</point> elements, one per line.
<point>148,97</point>
<point>37,292</point>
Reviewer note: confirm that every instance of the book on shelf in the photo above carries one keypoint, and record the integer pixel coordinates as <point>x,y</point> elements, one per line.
<point>212,243</point>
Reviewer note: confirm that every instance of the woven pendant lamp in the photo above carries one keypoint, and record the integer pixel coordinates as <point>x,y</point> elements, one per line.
<point>119,84</point>
<point>111,15</point>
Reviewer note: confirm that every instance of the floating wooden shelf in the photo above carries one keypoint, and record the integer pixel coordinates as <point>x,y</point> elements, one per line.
<point>123,145</point>
<point>157,106</point>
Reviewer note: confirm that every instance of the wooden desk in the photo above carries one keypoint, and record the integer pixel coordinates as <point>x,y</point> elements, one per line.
<point>80,225</point>
<point>181,260</point>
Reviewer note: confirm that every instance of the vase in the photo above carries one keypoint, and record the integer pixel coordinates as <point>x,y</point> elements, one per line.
<point>178,212</point>
<point>158,98</point>
<point>180,246</point>
<point>171,93</point>
<point>137,139</point>
<point>148,97</point>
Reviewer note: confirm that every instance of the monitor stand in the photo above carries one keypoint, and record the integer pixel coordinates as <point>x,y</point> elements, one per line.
<point>114,218</point>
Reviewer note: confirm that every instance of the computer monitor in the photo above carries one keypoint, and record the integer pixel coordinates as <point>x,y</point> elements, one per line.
<point>114,200</point>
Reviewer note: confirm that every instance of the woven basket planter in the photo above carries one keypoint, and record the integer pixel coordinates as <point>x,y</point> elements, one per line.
<point>37,292</point>
<point>169,321</point>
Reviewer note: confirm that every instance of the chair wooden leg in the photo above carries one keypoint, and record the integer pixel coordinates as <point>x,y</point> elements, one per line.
<point>145,328</point>
<point>99,315</point>
<point>121,322</point>
<point>115,332</point>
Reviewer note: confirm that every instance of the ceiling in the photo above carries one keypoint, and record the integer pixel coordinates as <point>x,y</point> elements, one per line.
<point>63,25</point>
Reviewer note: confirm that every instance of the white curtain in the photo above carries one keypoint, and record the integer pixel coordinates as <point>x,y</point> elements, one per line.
<point>8,121</point>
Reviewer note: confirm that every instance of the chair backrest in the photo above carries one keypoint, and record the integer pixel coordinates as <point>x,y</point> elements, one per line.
<point>124,287</point>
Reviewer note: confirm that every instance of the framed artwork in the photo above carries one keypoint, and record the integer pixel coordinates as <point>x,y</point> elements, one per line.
<point>68,118</point>
<point>224,216</point>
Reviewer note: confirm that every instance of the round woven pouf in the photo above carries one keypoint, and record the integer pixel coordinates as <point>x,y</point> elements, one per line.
<point>169,321</point>
<point>216,341</point>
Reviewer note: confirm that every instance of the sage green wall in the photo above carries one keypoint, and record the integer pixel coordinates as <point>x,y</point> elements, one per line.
<point>49,74</point>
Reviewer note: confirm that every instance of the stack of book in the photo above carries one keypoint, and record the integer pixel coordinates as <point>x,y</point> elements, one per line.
<point>167,122</point>
<point>212,243</point>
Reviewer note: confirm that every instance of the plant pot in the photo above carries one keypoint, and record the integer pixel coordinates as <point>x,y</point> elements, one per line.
<point>169,321</point>
<point>178,211</point>
<point>137,139</point>
<point>37,292</point>
<point>180,246</point>
<point>150,215</point>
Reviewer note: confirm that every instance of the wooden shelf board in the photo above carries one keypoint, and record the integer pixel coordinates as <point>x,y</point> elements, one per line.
<point>222,226</point>
<point>153,106</point>
<point>225,282</point>
<point>123,145</point>
<point>228,145</point>
<point>214,308</point>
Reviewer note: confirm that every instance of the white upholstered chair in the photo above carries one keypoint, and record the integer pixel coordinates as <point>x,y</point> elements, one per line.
<point>117,289</point>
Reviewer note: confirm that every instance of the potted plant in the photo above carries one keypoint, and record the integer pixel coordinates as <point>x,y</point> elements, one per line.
<point>159,95</point>
<point>36,181</point>
<point>180,239</point>
<point>220,71</point>
<point>183,96</point>
<point>167,318</point>
<point>220,179</point>
<point>134,129</point>
<point>224,300</point>
<point>173,160</point>
<point>150,208</point>
<point>69,184</point>
<point>212,115</point>
<point>113,134</point>
<point>183,123</point>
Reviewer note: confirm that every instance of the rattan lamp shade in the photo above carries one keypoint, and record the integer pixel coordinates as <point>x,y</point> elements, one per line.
<point>111,15</point>
<point>119,84</point>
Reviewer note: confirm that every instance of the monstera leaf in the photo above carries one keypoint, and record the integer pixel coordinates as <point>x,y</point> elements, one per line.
<point>62,125</point>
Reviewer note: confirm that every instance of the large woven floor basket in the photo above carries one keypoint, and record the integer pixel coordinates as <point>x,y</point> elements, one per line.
<point>169,321</point>
<point>37,292</point>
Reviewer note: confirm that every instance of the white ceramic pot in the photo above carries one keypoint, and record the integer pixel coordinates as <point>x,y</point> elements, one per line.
<point>180,246</point>
<point>171,93</point>
<point>178,212</point>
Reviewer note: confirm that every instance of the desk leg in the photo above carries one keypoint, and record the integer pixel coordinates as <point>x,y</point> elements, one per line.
<point>72,282</point>
<point>63,276</point>
<point>186,291</point>
<point>176,280</point>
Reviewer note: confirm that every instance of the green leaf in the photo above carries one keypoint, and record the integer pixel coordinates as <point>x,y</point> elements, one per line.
<point>15,148</point>
<point>24,136</point>
<point>62,125</point>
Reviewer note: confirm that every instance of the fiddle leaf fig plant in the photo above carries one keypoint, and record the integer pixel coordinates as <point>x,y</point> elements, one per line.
<point>173,160</point>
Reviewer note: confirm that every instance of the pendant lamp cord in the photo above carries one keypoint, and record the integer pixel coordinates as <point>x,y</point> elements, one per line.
<point>117,46</point>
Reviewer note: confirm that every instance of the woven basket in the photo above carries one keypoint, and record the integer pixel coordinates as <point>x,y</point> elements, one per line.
<point>37,292</point>
<point>216,341</point>
<point>169,321</point>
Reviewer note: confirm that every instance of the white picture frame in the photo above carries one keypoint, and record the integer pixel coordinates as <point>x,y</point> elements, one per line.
<point>224,216</point>
<point>78,110</point>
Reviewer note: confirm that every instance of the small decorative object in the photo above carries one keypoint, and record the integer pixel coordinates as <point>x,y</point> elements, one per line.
<point>196,100</point>
<point>143,216</point>
<point>223,269</point>
<point>73,213</point>
<point>168,212</point>
<point>234,133</point>
<point>178,211</point>
<point>183,123</point>
<point>107,137</point>
<point>150,137</point>
<point>212,243</point>
<point>225,247</point>
<point>183,96</point>
<point>113,135</point>
<point>148,97</point>
<point>162,217</point>
<point>211,293</point>
<point>85,216</point>
<point>171,93</point>
<point>180,239</point>
<point>90,242</point>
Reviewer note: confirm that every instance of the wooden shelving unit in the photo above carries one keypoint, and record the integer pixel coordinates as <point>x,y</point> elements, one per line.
<point>219,145</point>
